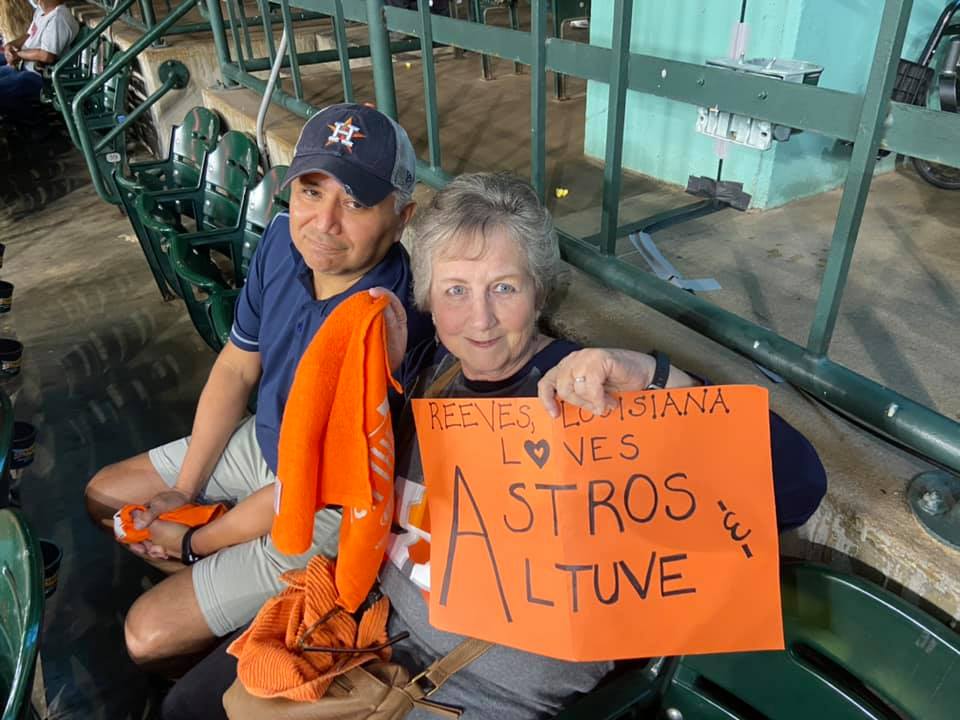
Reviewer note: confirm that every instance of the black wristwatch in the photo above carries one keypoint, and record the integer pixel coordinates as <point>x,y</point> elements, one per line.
<point>661,373</point>
<point>187,555</point>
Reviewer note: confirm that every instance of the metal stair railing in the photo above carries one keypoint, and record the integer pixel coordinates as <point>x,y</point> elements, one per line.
<point>98,154</point>
<point>70,56</point>
<point>147,19</point>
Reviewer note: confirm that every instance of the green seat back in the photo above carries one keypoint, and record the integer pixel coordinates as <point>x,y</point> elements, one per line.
<point>231,170</point>
<point>21,611</point>
<point>265,201</point>
<point>854,651</point>
<point>192,140</point>
<point>115,93</point>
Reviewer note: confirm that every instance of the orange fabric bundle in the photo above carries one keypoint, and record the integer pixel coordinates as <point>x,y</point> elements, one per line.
<point>270,662</point>
<point>336,444</point>
<point>190,515</point>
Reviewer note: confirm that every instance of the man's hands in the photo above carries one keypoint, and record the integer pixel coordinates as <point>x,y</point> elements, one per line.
<point>395,317</point>
<point>165,536</point>
<point>12,54</point>
<point>161,503</point>
<point>166,539</point>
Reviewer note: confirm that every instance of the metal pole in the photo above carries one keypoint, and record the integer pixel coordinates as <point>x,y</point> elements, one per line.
<point>318,57</point>
<point>247,43</point>
<point>284,100</point>
<point>265,101</point>
<point>146,7</point>
<point>292,49</point>
<point>876,101</point>
<point>267,19</point>
<point>132,116</point>
<point>219,38</point>
<point>235,32</point>
<point>386,91</point>
<point>429,84</point>
<point>71,54</point>
<point>616,112</point>
<point>538,97</point>
<point>340,32</point>
<point>116,66</point>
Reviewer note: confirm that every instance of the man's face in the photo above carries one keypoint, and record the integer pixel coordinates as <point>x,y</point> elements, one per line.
<point>339,238</point>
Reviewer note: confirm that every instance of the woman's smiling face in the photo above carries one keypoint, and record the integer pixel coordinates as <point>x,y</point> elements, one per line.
<point>484,306</point>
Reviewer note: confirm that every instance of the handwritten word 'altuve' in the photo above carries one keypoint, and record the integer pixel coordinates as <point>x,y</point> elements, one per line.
<point>495,415</point>
<point>637,580</point>
<point>656,406</point>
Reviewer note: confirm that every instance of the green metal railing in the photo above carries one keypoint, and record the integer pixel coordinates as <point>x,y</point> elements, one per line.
<point>107,151</point>
<point>91,41</point>
<point>146,19</point>
<point>869,120</point>
<point>236,67</point>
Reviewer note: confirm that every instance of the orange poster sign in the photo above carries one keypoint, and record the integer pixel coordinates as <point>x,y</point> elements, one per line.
<point>648,531</point>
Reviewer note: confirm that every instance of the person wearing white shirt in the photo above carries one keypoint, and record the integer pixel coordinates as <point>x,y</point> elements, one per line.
<point>51,32</point>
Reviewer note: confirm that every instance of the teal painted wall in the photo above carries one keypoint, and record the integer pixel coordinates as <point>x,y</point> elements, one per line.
<point>660,139</point>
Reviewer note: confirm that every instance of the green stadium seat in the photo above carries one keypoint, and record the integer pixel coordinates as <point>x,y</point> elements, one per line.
<point>190,143</point>
<point>854,651</point>
<point>218,294</point>
<point>21,612</point>
<point>229,173</point>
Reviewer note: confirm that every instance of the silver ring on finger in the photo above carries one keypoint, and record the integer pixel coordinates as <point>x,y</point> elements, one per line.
<point>580,379</point>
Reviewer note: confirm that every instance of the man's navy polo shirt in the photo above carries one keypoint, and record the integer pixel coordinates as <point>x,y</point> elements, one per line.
<point>277,316</point>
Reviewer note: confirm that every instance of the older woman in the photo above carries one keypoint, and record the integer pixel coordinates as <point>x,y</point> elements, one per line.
<point>485,260</point>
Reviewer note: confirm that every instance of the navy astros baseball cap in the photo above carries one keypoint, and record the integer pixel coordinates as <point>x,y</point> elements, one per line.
<point>366,151</point>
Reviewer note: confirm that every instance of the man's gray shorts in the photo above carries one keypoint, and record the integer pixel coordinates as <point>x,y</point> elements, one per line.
<point>233,583</point>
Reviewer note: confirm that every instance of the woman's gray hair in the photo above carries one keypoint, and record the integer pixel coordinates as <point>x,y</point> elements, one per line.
<point>468,210</point>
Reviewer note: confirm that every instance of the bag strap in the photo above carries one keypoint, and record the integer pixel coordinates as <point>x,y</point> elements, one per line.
<point>453,662</point>
<point>442,381</point>
<point>439,671</point>
<point>432,679</point>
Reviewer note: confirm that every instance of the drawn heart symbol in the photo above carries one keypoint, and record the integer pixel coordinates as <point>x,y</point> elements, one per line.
<point>539,452</point>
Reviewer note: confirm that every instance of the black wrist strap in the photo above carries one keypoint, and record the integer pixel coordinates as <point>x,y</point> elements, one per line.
<point>187,556</point>
<point>661,373</point>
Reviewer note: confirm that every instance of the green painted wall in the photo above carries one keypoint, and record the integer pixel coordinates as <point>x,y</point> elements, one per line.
<point>660,139</point>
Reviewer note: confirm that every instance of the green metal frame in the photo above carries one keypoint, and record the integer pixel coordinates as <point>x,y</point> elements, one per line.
<point>242,62</point>
<point>871,121</point>
<point>147,19</point>
<point>105,152</point>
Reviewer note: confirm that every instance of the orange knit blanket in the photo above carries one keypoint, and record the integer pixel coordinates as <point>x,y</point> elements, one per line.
<point>336,445</point>
<point>190,515</point>
<point>270,662</point>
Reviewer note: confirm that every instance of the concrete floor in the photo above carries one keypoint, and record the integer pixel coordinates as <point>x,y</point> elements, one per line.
<point>110,370</point>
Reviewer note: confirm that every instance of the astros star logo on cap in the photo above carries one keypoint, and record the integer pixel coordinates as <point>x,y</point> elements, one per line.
<point>344,133</point>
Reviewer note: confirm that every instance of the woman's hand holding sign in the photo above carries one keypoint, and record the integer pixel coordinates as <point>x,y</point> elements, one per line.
<point>588,378</point>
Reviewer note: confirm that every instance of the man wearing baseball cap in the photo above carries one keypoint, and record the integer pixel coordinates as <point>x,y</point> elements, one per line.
<point>351,182</point>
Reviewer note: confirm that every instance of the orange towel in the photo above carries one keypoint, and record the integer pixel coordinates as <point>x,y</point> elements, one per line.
<point>336,445</point>
<point>190,515</point>
<point>270,661</point>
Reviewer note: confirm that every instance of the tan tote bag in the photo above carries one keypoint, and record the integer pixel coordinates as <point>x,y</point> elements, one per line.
<point>375,691</point>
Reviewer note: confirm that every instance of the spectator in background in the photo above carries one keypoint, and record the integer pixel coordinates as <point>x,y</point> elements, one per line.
<point>50,33</point>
